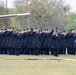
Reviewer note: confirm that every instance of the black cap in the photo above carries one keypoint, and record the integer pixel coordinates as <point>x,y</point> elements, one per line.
<point>19,30</point>
<point>31,28</point>
<point>36,28</point>
<point>23,29</point>
<point>1,29</point>
<point>52,29</point>
<point>13,28</point>
<point>27,29</point>
<point>64,31</point>
<point>5,29</point>
<point>56,28</point>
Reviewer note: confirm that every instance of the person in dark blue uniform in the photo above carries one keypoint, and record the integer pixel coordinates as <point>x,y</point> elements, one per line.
<point>46,42</point>
<point>62,43</point>
<point>70,41</point>
<point>55,43</point>
<point>75,44</point>
<point>40,33</point>
<point>17,43</point>
<point>1,39</point>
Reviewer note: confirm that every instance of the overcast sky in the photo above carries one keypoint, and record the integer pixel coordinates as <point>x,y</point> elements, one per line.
<point>71,2</point>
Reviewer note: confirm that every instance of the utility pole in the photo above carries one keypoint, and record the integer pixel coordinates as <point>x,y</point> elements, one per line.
<point>6,7</point>
<point>29,2</point>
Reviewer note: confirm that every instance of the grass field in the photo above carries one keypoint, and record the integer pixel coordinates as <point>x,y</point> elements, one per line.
<point>26,65</point>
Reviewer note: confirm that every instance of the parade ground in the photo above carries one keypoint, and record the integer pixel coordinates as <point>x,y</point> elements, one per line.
<point>37,65</point>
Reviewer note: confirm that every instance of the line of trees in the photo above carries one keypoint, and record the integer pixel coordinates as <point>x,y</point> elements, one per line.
<point>44,14</point>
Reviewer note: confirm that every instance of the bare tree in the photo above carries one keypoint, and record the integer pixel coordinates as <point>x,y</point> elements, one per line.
<point>45,13</point>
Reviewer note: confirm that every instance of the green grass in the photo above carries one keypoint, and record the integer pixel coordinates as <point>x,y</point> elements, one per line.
<point>19,65</point>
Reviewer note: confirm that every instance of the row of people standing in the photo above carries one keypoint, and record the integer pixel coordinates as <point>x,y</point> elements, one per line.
<point>35,42</point>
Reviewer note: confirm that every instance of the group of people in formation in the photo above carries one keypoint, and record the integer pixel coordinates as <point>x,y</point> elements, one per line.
<point>37,42</point>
